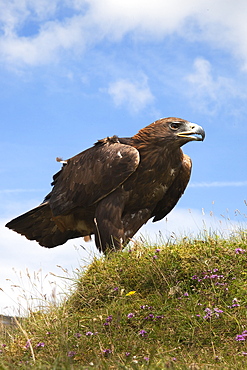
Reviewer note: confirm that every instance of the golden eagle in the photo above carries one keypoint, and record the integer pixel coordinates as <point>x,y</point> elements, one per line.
<point>113,188</point>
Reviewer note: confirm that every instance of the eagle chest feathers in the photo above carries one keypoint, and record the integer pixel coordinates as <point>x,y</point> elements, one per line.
<point>153,177</point>
<point>111,189</point>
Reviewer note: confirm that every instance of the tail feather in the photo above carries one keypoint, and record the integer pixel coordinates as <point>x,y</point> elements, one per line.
<point>38,224</point>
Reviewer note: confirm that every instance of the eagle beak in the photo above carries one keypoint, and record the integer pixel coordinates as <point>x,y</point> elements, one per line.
<point>195,132</point>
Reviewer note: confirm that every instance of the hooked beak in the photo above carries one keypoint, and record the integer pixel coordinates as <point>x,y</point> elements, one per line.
<point>195,132</point>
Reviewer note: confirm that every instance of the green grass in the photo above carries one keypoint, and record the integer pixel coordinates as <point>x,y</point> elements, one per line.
<point>172,306</point>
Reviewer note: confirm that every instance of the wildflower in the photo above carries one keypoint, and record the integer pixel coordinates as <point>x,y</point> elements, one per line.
<point>240,251</point>
<point>240,337</point>
<point>48,333</point>
<point>157,250</point>
<point>155,257</point>
<point>159,317</point>
<point>143,333</point>
<point>130,293</point>
<point>234,303</point>
<point>71,353</point>
<point>40,344</point>
<point>130,315</point>
<point>210,313</point>
<point>144,306</point>
<point>109,318</point>
<point>89,333</point>
<point>78,335</point>
<point>116,289</point>
<point>27,345</point>
<point>127,354</point>
<point>186,294</point>
<point>146,358</point>
<point>218,310</point>
<point>106,352</point>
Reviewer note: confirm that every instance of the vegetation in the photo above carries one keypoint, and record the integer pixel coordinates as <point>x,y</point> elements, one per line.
<point>178,305</point>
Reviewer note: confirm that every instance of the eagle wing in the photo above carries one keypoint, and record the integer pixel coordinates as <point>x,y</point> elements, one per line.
<point>91,175</point>
<point>175,191</point>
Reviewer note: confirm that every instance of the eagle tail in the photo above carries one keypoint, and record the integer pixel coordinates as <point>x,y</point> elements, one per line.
<point>38,224</point>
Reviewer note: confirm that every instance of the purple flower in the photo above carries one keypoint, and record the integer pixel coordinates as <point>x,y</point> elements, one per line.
<point>89,333</point>
<point>159,317</point>
<point>71,353</point>
<point>146,358</point>
<point>127,354</point>
<point>78,335</point>
<point>106,352</point>
<point>234,303</point>
<point>109,318</point>
<point>218,310</point>
<point>40,344</point>
<point>155,257</point>
<point>240,251</point>
<point>130,315</point>
<point>116,289</point>
<point>240,337</point>
<point>27,345</point>
<point>186,294</point>
<point>157,250</point>
<point>210,313</point>
<point>143,333</point>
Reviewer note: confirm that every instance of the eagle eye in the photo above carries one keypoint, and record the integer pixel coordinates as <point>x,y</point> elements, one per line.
<point>174,125</point>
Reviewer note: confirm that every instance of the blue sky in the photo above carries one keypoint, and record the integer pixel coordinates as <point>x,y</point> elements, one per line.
<point>74,71</point>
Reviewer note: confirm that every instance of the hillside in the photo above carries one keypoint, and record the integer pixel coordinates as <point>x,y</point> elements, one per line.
<point>178,305</point>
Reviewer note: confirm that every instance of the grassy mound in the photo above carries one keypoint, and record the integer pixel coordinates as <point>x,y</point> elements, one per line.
<point>181,306</point>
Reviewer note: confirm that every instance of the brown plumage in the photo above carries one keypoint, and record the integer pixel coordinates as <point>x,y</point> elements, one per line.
<point>113,188</point>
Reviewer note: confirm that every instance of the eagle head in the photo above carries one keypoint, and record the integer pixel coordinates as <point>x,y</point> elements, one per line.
<point>175,131</point>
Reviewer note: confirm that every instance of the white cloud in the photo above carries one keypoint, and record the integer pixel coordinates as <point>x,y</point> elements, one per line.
<point>220,23</point>
<point>135,95</point>
<point>192,223</point>
<point>206,91</point>
<point>20,257</point>
<point>218,184</point>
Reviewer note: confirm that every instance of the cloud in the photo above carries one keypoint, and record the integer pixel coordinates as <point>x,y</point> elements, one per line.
<point>192,223</point>
<point>135,95</point>
<point>205,90</point>
<point>218,184</point>
<point>72,25</point>
<point>21,257</point>
<point>45,47</point>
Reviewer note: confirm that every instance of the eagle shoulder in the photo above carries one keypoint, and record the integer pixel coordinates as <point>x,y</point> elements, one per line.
<point>92,174</point>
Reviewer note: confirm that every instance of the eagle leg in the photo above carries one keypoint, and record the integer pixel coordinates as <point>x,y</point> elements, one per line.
<point>109,231</point>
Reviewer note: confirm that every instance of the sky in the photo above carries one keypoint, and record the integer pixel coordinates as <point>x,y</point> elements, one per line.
<point>75,71</point>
